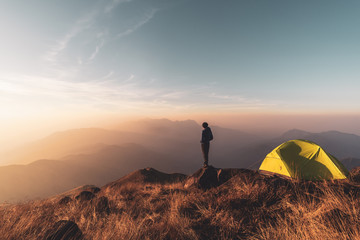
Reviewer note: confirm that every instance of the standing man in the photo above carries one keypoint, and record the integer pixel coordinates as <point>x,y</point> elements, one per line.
<point>206,137</point>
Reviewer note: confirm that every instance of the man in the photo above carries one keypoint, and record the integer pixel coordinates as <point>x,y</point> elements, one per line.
<point>206,137</point>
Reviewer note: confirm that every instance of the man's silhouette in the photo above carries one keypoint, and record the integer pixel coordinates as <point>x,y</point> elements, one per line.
<point>206,137</point>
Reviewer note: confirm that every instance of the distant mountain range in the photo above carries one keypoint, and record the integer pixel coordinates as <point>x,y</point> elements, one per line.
<point>351,163</point>
<point>68,159</point>
<point>44,178</point>
<point>341,145</point>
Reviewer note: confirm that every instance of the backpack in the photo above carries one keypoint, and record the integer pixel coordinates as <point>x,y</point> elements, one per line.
<point>210,135</point>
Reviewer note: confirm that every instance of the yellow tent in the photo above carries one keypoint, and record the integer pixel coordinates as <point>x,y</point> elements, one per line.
<point>302,159</point>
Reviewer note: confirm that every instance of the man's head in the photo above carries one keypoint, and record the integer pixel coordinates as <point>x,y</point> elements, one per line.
<point>205,124</point>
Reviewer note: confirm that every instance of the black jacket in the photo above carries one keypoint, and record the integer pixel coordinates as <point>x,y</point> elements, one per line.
<point>206,135</point>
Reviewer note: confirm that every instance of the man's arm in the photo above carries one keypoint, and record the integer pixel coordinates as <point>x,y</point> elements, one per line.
<point>203,137</point>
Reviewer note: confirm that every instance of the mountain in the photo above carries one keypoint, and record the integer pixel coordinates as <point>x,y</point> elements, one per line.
<point>74,141</point>
<point>44,178</point>
<point>341,145</point>
<point>149,204</point>
<point>96,156</point>
<point>188,133</point>
<point>172,137</point>
<point>184,130</point>
<point>351,163</point>
<point>187,129</point>
<point>295,134</point>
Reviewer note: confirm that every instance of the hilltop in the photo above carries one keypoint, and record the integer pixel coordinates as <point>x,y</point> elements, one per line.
<point>75,157</point>
<point>209,204</point>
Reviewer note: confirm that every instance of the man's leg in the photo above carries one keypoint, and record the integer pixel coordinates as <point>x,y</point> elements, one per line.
<point>205,150</point>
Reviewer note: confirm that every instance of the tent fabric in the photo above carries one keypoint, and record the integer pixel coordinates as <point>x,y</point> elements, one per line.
<point>303,159</point>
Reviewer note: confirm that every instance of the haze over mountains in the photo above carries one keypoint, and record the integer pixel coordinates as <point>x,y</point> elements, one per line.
<point>68,159</point>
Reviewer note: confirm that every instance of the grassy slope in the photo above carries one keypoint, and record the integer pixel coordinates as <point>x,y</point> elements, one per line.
<point>248,206</point>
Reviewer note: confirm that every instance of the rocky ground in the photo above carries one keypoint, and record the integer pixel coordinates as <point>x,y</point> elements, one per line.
<point>210,204</point>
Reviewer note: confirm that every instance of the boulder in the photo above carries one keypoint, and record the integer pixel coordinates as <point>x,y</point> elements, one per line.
<point>205,178</point>
<point>65,200</point>
<point>85,196</point>
<point>209,177</point>
<point>93,189</point>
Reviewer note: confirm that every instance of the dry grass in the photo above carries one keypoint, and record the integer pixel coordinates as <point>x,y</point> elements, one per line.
<point>245,207</point>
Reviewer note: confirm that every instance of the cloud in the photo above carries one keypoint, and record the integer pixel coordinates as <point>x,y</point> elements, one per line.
<point>108,75</point>
<point>80,25</point>
<point>118,94</point>
<point>113,4</point>
<point>96,24</point>
<point>108,89</point>
<point>146,18</point>
<point>130,29</point>
<point>97,49</point>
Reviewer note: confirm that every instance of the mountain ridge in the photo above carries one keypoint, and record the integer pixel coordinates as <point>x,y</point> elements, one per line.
<point>121,152</point>
<point>245,205</point>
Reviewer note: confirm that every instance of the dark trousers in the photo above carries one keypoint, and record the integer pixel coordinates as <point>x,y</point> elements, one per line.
<point>205,147</point>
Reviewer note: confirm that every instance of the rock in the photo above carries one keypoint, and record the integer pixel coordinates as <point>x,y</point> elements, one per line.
<point>64,230</point>
<point>94,190</point>
<point>102,205</point>
<point>85,196</point>
<point>204,178</point>
<point>65,200</point>
<point>209,178</point>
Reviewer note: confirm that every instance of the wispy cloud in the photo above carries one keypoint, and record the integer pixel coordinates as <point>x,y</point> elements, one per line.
<point>66,58</point>
<point>80,25</point>
<point>113,4</point>
<point>148,15</point>
<point>68,86</point>
<point>146,18</point>
<point>108,75</point>
<point>97,49</point>
<point>127,94</point>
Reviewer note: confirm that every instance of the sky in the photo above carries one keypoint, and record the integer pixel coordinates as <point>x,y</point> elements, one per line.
<point>82,62</point>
